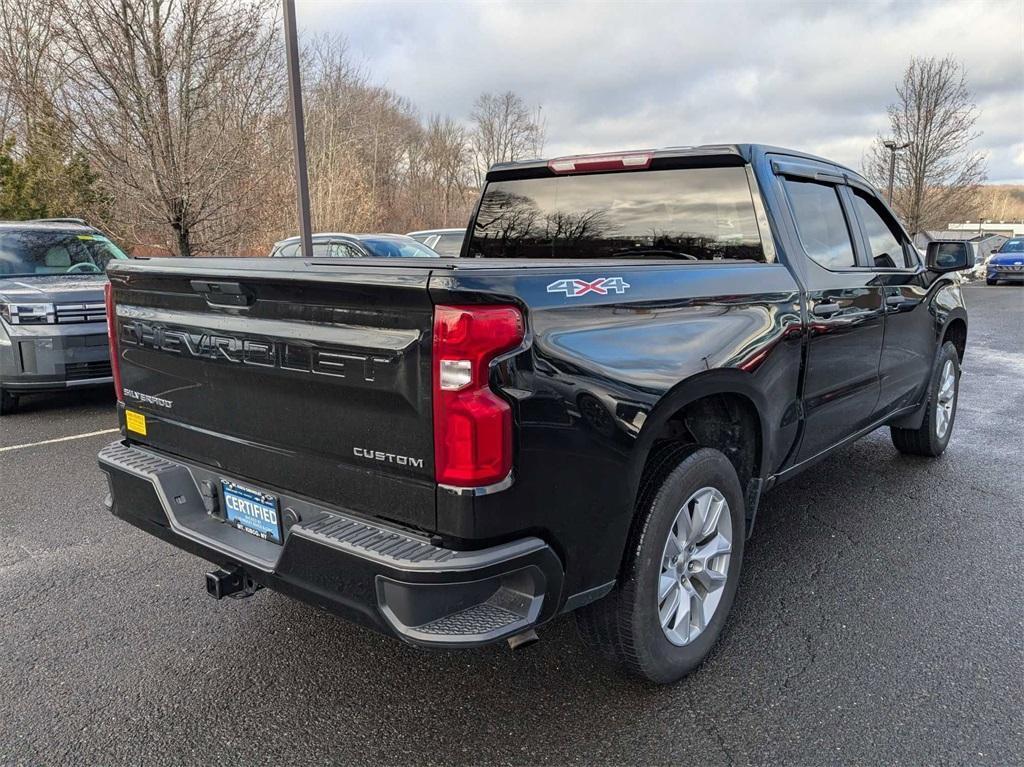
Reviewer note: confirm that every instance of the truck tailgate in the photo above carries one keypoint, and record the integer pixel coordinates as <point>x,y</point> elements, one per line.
<point>308,377</point>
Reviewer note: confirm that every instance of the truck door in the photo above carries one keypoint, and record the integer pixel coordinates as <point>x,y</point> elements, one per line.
<point>909,346</point>
<point>845,309</point>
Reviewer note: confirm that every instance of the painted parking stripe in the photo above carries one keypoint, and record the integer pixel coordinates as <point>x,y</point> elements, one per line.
<point>59,439</point>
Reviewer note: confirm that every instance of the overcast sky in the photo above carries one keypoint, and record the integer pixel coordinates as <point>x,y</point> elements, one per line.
<point>815,76</point>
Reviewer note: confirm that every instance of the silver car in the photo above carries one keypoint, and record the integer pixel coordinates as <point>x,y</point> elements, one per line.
<point>447,242</point>
<point>340,245</point>
<point>53,322</point>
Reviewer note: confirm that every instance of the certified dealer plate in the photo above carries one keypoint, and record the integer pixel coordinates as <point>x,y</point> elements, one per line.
<point>252,511</point>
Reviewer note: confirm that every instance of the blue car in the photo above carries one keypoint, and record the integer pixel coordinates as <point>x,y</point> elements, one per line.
<point>1007,263</point>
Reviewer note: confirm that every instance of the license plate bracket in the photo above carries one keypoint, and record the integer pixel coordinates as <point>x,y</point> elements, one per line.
<point>252,511</point>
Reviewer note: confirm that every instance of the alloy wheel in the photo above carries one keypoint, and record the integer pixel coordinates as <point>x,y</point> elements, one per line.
<point>946,400</point>
<point>694,566</point>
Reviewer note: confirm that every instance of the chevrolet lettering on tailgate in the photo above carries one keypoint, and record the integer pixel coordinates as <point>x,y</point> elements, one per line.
<point>248,351</point>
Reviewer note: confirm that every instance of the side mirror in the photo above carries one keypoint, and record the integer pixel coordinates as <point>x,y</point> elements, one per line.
<point>949,256</point>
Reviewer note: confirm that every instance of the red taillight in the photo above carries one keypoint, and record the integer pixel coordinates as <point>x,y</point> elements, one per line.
<point>115,357</point>
<point>472,424</point>
<point>596,163</point>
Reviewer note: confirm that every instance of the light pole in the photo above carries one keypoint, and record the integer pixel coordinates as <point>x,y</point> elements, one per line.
<point>291,44</point>
<point>893,148</point>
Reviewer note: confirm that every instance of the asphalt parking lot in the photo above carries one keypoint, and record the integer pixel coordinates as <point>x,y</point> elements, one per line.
<point>880,620</point>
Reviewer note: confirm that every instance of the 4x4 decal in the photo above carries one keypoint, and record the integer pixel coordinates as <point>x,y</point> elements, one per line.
<point>579,287</point>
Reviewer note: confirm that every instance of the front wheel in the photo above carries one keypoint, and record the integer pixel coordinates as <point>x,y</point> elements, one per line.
<point>932,436</point>
<point>990,281</point>
<point>681,571</point>
<point>8,402</point>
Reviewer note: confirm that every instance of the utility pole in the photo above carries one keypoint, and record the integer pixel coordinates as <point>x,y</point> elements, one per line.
<point>291,44</point>
<point>893,148</point>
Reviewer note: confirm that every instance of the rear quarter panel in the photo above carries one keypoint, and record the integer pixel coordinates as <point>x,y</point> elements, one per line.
<point>601,373</point>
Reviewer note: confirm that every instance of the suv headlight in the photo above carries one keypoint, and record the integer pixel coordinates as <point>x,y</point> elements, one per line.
<point>28,314</point>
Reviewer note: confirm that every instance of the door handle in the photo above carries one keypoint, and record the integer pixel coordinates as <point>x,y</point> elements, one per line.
<point>895,300</point>
<point>825,310</point>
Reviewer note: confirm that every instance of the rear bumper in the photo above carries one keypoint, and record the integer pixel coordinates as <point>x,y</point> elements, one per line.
<point>384,577</point>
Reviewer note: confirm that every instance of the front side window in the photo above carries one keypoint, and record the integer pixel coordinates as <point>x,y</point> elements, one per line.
<point>884,236</point>
<point>688,214</point>
<point>37,252</point>
<point>821,224</point>
<point>343,250</point>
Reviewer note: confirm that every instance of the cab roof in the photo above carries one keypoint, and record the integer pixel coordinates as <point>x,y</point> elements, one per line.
<point>743,152</point>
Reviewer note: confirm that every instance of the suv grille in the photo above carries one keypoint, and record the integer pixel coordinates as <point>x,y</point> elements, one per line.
<point>93,312</point>
<point>79,371</point>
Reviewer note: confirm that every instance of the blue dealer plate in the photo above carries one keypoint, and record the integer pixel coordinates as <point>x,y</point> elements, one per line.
<point>252,511</point>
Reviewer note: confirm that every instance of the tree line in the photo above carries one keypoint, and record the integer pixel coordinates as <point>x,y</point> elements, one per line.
<point>166,123</point>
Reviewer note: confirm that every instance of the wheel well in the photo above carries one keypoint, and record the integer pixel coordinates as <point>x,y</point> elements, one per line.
<point>727,422</point>
<point>956,332</point>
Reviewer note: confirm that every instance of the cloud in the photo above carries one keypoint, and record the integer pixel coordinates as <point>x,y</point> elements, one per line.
<point>809,75</point>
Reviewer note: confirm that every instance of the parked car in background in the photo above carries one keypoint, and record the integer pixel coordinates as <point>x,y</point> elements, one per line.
<point>1007,263</point>
<point>53,322</point>
<point>447,242</point>
<point>338,245</point>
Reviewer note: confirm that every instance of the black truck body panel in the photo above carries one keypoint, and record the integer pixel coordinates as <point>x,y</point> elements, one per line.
<point>313,380</point>
<point>286,387</point>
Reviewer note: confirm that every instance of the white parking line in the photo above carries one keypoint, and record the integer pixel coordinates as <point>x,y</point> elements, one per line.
<point>58,439</point>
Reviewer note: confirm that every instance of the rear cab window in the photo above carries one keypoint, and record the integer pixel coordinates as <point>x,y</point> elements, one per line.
<point>684,214</point>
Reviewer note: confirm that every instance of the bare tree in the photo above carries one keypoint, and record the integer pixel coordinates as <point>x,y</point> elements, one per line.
<point>29,73</point>
<point>504,130</point>
<point>447,160</point>
<point>174,102</point>
<point>938,174</point>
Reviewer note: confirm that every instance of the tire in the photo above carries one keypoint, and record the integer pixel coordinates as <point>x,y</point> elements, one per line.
<point>932,436</point>
<point>626,626</point>
<point>991,282</point>
<point>8,402</point>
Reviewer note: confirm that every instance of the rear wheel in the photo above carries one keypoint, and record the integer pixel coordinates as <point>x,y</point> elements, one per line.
<point>931,438</point>
<point>681,570</point>
<point>8,402</point>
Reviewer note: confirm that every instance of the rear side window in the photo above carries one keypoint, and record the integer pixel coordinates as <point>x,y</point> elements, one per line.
<point>689,214</point>
<point>821,224</point>
<point>883,235</point>
<point>294,250</point>
<point>449,245</point>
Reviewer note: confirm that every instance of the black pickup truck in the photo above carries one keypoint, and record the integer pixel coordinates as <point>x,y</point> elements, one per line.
<point>580,413</point>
